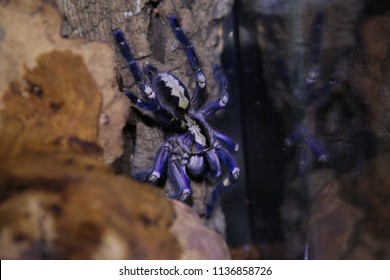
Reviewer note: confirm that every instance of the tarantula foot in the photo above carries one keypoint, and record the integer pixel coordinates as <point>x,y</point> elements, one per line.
<point>236,173</point>
<point>200,78</point>
<point>154,177</point>
<point>184,196</point>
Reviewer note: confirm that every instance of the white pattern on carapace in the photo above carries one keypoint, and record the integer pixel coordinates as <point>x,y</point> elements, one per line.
<point>177,89</point>
<point>194,128</point>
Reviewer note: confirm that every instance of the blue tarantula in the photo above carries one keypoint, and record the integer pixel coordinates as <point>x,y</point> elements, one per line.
<point>306,96</point>
<point>195,149</point>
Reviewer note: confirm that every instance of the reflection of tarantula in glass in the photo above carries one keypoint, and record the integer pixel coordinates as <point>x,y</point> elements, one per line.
<point>195,149</point>
<point>306,96</point>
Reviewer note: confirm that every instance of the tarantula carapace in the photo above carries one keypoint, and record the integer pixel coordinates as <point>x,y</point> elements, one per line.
<point>195,149</point>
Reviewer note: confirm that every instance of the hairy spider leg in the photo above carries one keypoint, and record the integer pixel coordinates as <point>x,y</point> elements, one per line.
<point>226,141</point>
<point>145,105</point>
<point>178,176</point>
<point>200,78</point>
<point>214,163</point>
<point>160,162</point>
<point>228,160</point>
<point>133,66</point>
<point>302,136</point>
<point>150,103</point>
<point>234,173</point>
<point>212,200</point>
<point>213,107</point>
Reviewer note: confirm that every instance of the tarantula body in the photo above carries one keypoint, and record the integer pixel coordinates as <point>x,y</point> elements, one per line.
<point>195,149</point>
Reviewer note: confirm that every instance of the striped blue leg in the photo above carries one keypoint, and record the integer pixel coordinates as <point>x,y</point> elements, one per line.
<point>132,64</point>
<point>196,98</point>
<point>164,116</point>
<point>214,163</point>
<point>179,177</point>
<point>226,141</point>
<point>222,187</point>
<point>160,162</point>
<point>228,160</point>
<point>300,135</point>
<point>190,51</point>
<point>234,173</point>
<point>215,194</point>
<point>213,107</point>
<point>145,105</point>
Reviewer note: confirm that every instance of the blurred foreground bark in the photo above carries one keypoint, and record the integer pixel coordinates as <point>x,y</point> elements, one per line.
<point>61,117</point>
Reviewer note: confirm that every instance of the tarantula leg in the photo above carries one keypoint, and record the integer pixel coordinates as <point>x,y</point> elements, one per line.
<point>217,192</point>
<point>179,177</point>
<point>213,107</point>
<point>160,162</point>
<point>316,38</point>
<point>145,105</point>
<point>132,64</point>
<point>228,160</point>
<point>196,99</point>
<point>226,141</point>
<point>161,113</point>
<point>214,163</point>
<point>298,135</point>
<point>234,173</point>
<point>316,148</point>
<point>190,51</point>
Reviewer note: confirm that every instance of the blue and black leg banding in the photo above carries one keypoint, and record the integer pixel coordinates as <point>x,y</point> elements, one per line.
<point>226,141</point>
<point>214,163</point>
<point>300,135</point>
<point>132,64</point>
<point>190,51</point>
<point>178,176</point>
<point>127,54</point>
<point>160,162</point>
<point>212,200</point>
<point>143,104</point>
<point>213,107</point>
<point>228,160</point>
